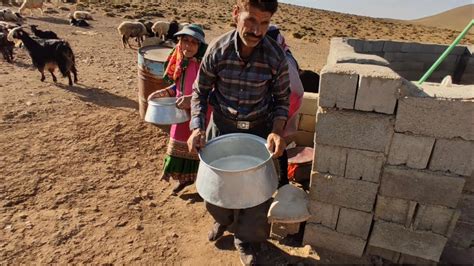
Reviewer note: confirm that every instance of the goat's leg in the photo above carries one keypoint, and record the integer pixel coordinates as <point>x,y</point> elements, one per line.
<point>124,41</point>
<point>54,77</point>
<point>42,13</point>
<point>74,72</point>
<point>41,70</point>
<point>69,78</point>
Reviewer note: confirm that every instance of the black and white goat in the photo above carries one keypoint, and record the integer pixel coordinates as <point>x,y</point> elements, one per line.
<point>49,55</point>
<point>6,46</point>
<point>43,34</point>
<point>78,22</point>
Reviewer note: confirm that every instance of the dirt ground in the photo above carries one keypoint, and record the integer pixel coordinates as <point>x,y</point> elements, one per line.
<point>79,171</point>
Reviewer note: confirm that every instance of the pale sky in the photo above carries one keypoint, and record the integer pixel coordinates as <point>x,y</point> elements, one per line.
<point>397,9</point>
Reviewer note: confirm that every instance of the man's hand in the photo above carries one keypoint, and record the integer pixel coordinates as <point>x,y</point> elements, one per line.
<point>159,94</point>
<point>184,102</point>
<point>197,140</point>
<point>276,145</point>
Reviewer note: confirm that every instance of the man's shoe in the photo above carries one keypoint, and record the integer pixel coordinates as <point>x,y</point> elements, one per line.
<point>216,232</point>
<point>248,256</point>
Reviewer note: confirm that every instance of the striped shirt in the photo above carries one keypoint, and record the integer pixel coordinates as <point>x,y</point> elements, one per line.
<point>241,90</point>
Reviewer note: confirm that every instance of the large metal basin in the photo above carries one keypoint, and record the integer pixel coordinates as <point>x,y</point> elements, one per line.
<point>163,111</point>
<point>236,171</point>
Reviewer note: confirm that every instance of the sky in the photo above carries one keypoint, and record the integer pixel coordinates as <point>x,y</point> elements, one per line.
<point>397,9</point>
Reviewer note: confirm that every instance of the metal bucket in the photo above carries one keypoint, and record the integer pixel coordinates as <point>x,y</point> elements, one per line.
<point>151,61</point>
<point>236,171</point>
<point>163,111</point>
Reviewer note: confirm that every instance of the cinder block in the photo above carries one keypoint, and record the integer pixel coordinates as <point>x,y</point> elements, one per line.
<point>456,156</point>
<point>307,123</point>
<point>309,106</point>
<point>435,49</point>
<point>354,223</point>
<point>421,186</point>
<point>440,118</point>
<point>413,151</point>
<point>322,213</point>
<point>365,165</point>
<point>383,253</point>
<point>408,66</point>
<point>391,46</point>
<point>469,186</point>
<point>320,236</point>
<point>437,219</point>
<point>466,206</point>
<point>457,256</point>
<point>338,86</point>
<point>395,210</point>
<point>400,239</point>
<point>303,138</point>
<point>363,131</point>
<point>330,159</point>
<point>378,89</point>
<point>354,194</point>
<point>373,46</point>
<point>407,259</point>
<point>463,235</point>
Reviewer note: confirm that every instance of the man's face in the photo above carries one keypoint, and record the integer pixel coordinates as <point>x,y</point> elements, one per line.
<point>252,24</point>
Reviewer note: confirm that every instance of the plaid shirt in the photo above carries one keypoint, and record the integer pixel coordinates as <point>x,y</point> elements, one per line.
<point>241,90</point>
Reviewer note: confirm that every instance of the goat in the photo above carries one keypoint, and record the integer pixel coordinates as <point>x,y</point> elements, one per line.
<point>173,28</point>
<point>31,4</point>
<point>130,29</point>
<point>6,46</point>
<point>43,34</point>
<point>50,55</point>
<point>78,22</point>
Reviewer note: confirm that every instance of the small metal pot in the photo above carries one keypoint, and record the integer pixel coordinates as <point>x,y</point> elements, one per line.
<point>163,111</point>
<point>236,171</point>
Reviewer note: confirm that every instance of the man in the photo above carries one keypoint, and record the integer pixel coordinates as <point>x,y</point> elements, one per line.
<point>244,76</point>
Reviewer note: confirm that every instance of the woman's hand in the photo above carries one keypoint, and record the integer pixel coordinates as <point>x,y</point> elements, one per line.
<point>184,102</point>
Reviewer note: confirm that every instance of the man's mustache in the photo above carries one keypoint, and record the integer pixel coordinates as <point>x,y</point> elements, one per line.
<point>250,34</point>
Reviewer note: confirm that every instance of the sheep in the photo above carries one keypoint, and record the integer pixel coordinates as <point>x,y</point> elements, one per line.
<point>160,28</point>
<point>31,4</point>
<point>51,54</point>
<point>8,15</point>
<point>81,15</point>
<point>148,25</point>
<point>6,46</point>
<point>130,29</point>
<point>43,34</point>
<point>173,28</point>
<point>78,22</point>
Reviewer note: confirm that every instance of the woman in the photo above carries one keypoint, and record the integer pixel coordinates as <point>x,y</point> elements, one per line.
<point>181,69</point>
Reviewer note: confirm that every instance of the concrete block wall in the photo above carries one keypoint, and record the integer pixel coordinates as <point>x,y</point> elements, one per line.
<point>410,60</point>
<point>393,164</point>
<point>307,120</point>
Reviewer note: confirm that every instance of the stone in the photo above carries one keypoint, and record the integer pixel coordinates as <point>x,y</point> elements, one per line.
<point>397,238</point>
<point>307,123</point>
<point>363,131</point>
<point>330,159</point>
<point>324,214</point>
<point>437,219</point>
<point>309,106</point>
<point>338,86</point>
<point>354,194</point>
<point>364,165</point>
<point>455,156</point>
<point>320,236</point>
<point>395,210</point>
<point>383,253</point>
<point>439,118</point>
<point>421,186</point>
<point>412,151</point>
<point>354,223</point>
<point>378,89</point>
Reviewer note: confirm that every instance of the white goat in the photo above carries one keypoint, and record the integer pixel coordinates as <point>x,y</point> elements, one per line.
<point>129,29</point>
<point>81,15</point>
<point>31,4</point>
<point>160,28</point>
<point>8,15</point>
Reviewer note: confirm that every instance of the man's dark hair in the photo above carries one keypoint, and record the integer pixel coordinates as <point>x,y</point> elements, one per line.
<point>262,5</point>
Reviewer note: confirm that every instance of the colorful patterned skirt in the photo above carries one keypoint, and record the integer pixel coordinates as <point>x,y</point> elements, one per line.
<point>180,164</point>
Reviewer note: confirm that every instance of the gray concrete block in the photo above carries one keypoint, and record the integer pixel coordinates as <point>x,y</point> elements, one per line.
<point>412,151</point>
<point>455,156</point>
<point>466,206</point>
<point>365,165</point>
<point>400,239</point>
<point>373,46</point>
<point>354,223</point>
<point>457,256</point>
<point>438,118</point>
<point>323,213</point>
<point>330,159</point>
<point>378,89</point>
<point>463,235</point>
<point>320,236</point>
<point>421,186</point>
<point>363,131</point>
<point>437,219</point>
<point>383,253</point>
<point>303,138</point>
<point>469,185</point>
<point>307,123</point>
<point>338,86</point>
<point>354,194</point>
<point>436,49</point>
<point>341,52</point>
<point>309,106</point>
<point>408,66</point>
<point>395,210</point>
<point>392,46</point>
<point>407,259</point>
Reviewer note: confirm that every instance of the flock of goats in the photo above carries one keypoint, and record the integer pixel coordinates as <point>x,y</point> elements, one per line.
<point>49,52</point>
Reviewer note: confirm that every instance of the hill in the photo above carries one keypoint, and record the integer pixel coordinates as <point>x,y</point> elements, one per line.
<point>455,19</point>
